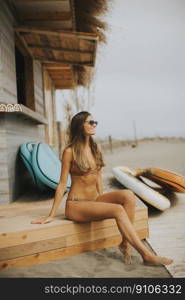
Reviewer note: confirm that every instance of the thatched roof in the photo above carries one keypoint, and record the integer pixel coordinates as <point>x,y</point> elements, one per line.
<point>88,19</point>
<point>83,16</point>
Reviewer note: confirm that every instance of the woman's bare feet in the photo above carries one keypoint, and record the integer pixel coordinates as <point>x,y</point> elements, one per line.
<point>155,260</point>
<point>126,250</point>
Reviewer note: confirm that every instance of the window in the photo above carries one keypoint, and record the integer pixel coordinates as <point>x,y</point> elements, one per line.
<point>24,76</point>
<point>20,77</point>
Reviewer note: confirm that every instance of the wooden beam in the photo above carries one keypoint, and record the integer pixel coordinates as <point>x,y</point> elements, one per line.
<point>56,67</point>
<point>27,113</point>
<point>47,59</point>
<point>44,16</point>
<point>60,33</point>
<point>19,44</point>
<point>58,87</point>
<point>94,53</point>
<point>30,1</point>
<point>62,83</point>
<point>30,95</point>
<point>47,256</point>
<point>55,76</point>
<point>24,43</point>
<point>64,252</point>
<point>60,71</point>
<point>59,49</point>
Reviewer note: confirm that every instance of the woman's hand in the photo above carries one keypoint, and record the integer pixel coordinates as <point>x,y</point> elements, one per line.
<point>43,220</point>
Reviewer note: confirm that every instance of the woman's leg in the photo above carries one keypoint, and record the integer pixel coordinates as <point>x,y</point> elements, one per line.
<point>85,211</point>
<point>127,199</point>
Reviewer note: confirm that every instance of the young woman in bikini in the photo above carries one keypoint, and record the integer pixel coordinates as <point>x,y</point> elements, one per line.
<point>86,201</point>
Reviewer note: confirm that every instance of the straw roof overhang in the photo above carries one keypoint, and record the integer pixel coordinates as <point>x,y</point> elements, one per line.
<point>76,18</point>
<point>59,46</point>
<point>88,16</point>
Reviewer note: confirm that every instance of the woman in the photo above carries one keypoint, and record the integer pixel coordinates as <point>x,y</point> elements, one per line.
<point>86,201</point>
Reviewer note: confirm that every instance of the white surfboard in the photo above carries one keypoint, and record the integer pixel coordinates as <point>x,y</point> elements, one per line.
<point>126,177</point>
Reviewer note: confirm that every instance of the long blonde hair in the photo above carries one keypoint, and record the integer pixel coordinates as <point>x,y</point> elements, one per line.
<point>77,142</point>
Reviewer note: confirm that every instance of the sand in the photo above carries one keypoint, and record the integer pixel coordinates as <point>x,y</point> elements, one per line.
<point>108,262</point>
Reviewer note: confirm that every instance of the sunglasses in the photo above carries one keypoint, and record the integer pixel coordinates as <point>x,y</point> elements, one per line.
<point>92,122</point>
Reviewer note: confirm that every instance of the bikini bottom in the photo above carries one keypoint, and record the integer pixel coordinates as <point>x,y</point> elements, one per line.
<point>79,199</point>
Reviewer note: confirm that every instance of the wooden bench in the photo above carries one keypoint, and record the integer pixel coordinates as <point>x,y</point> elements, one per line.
<point>26,244</point>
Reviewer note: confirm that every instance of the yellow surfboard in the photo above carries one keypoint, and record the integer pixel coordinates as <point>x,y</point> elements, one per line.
<point>176,182</point>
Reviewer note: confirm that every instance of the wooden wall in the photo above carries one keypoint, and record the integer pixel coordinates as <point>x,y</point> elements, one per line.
<point>38,88</point>
<point>50,112</point>
<point>15,129</point>
<point>8,93</point>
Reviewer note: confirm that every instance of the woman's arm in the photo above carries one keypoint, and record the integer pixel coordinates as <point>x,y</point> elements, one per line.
<point>61,187</point>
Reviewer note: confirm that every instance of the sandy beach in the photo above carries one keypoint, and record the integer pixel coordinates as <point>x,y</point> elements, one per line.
<point>168,154</point>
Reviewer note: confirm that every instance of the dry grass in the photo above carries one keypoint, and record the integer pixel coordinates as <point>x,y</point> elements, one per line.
<point>84,75</point>
<point>87,17</point>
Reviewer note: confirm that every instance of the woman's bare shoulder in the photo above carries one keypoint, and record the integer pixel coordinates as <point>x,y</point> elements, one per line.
<point>68,149</point>
<point>67,153</point>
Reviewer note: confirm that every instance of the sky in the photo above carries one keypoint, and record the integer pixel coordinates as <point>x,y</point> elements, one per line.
<point>140,72</point>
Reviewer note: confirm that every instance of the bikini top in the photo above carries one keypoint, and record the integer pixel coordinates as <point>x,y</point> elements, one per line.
<point>75,170</point>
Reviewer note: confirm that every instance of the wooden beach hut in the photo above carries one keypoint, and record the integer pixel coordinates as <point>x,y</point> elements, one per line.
<point>45,45</point>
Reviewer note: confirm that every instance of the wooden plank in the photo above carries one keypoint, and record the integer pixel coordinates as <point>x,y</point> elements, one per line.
<point>31,1</point>
<point>47,59</point>
<point>27,236</point>
<point>30,96</point>
<point>33,115</point>
<point>17,218</point>
<point>48,256</point>
<point>167,236</point>
<point>98,234</point>
<point>45,16</point>
<point>22,243</point>
<point>67,228</point>
<point>24,43</point>
<point>53,25</point>
<point>56,76</point>
<point>64,87</point>
<point>91,235</point>
<point>21,46</point>
<point>32,248</point>
<point>30,114</point>
<point>60,49</point>
<point>60,33</point>
<point>66,241</point>
<point>57,66</point>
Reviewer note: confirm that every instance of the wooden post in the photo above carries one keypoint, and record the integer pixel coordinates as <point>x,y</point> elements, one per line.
<point>59,133</point>
<point>135,136</point>
<point>110,143</point>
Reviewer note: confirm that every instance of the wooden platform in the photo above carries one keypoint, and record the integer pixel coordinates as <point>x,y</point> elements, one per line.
<point>26,244</point>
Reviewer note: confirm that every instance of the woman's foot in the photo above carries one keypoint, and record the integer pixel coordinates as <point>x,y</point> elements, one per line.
<point>126,250</point>
<point>155,260</point>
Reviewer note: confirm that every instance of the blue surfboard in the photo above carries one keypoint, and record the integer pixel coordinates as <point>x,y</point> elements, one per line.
<point>26,155</point>
<point>47,165</point>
